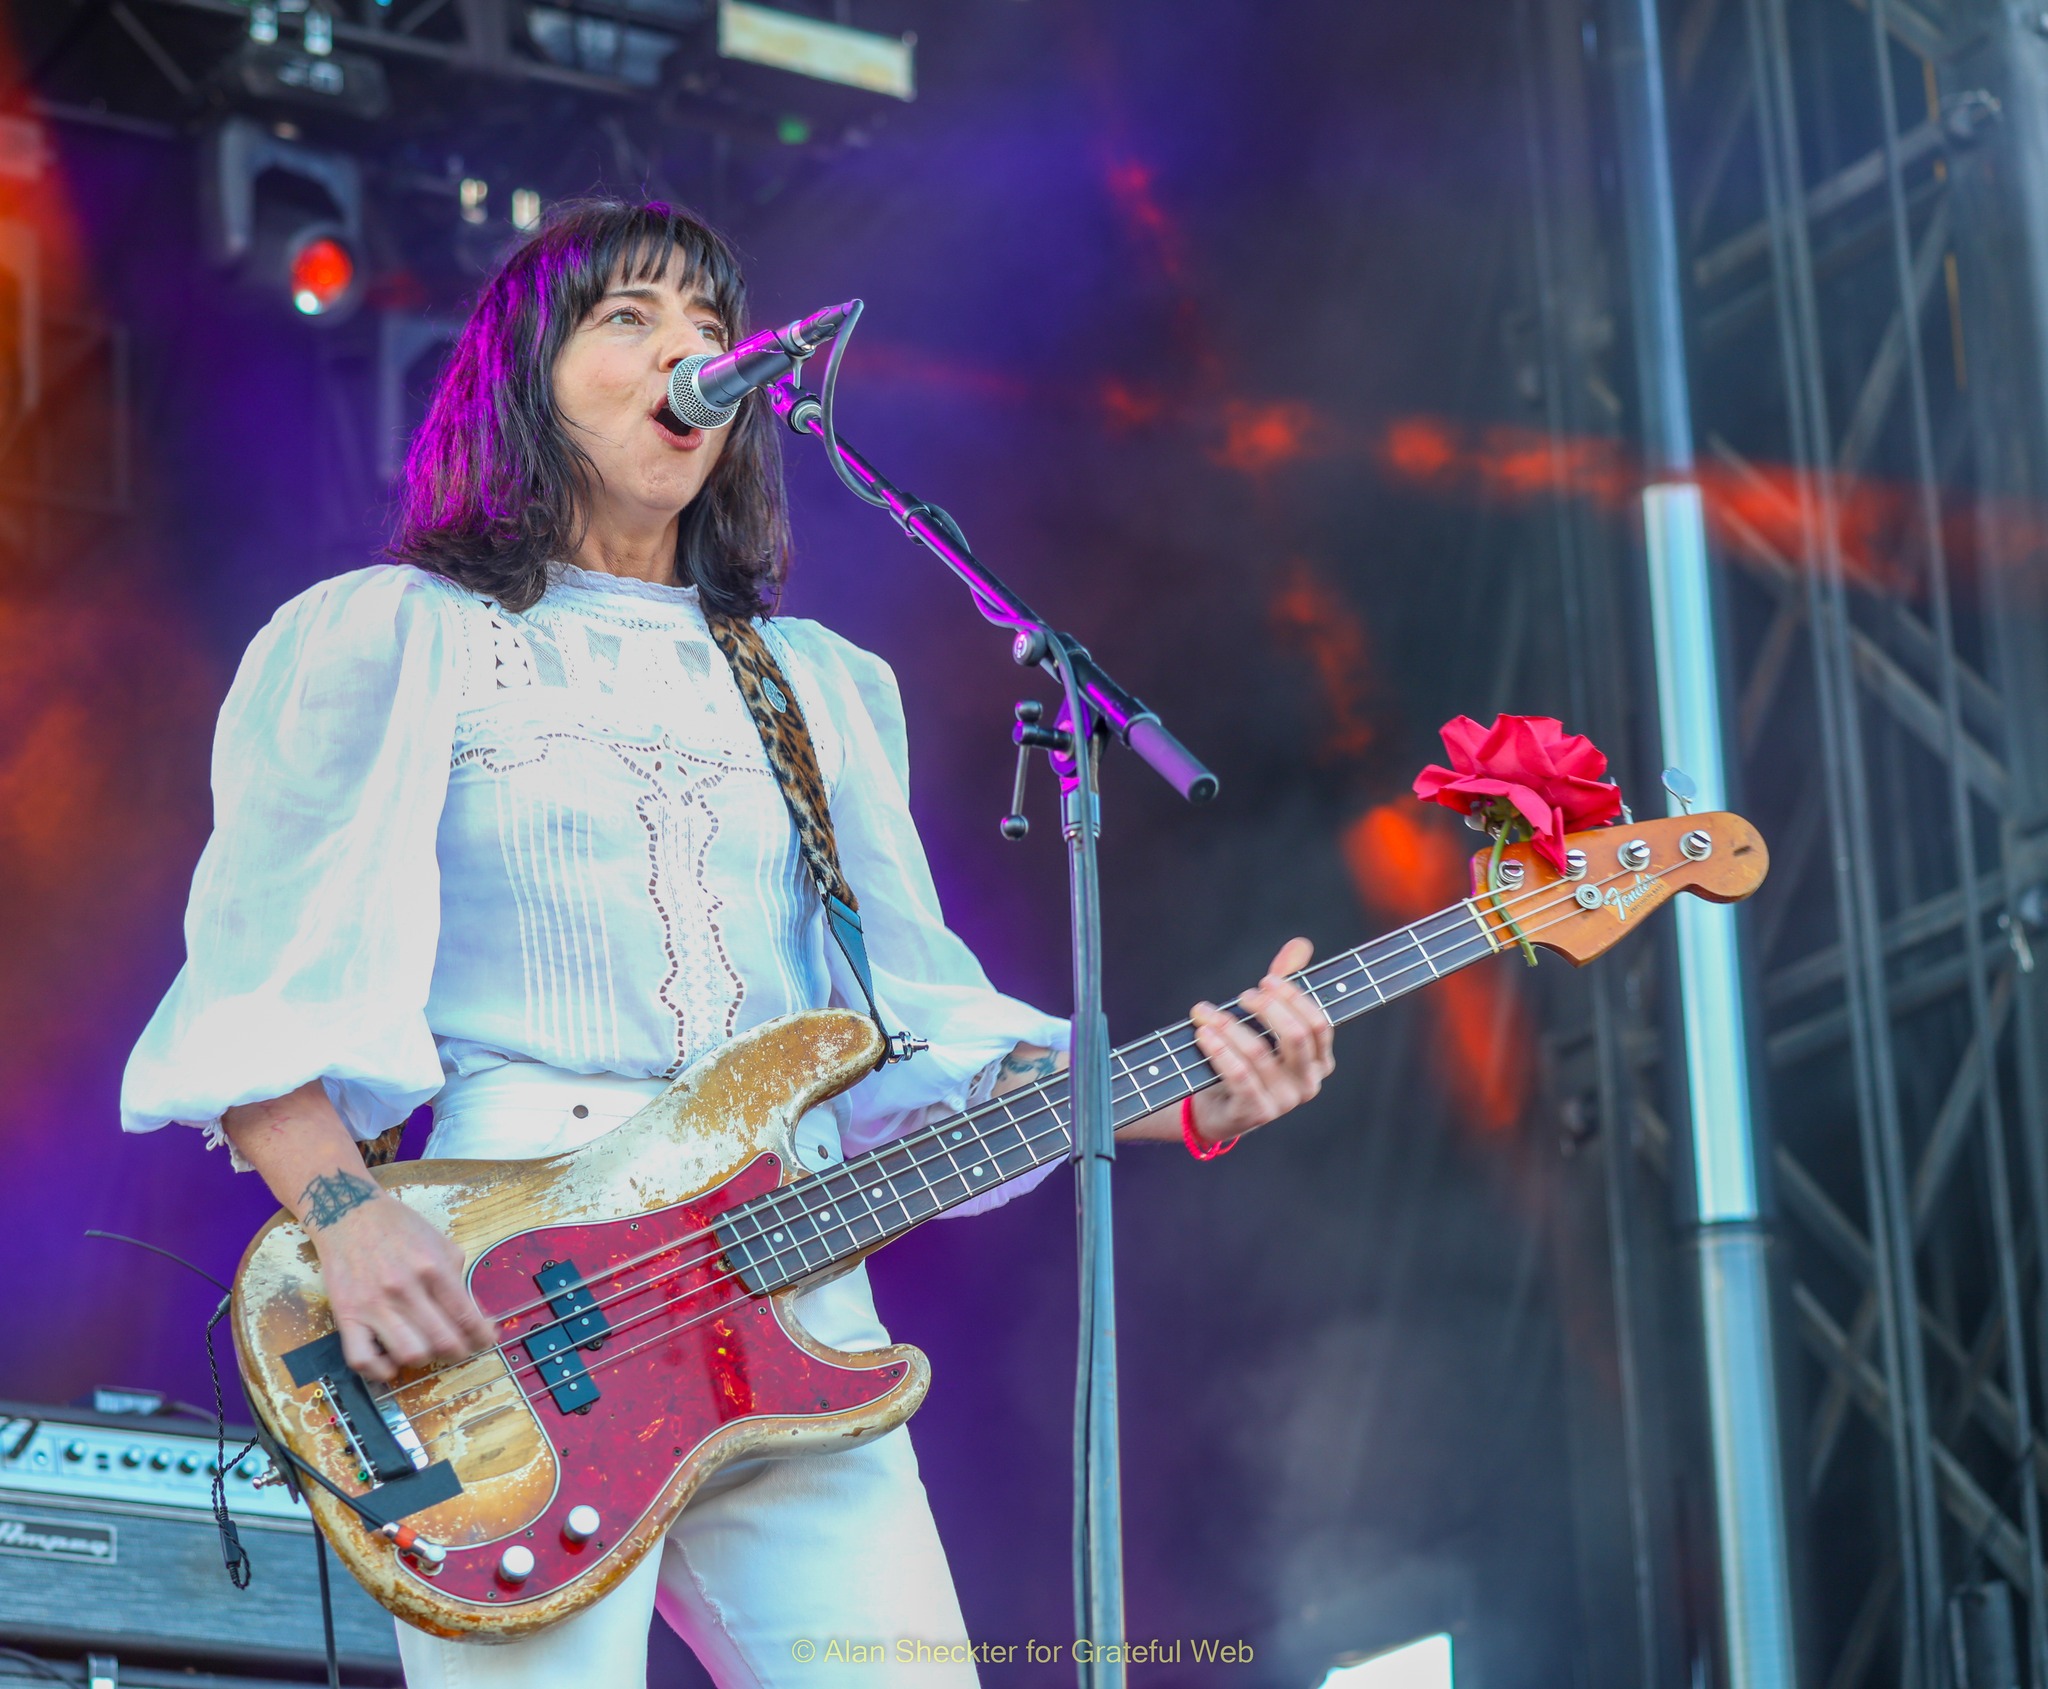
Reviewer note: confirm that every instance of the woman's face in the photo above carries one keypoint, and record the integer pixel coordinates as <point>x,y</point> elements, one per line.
<point>611,388</point>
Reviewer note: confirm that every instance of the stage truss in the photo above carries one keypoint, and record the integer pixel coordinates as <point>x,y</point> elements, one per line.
<point>1860,465</point>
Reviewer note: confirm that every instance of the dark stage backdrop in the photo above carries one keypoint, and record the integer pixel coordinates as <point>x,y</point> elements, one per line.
<point>1156,293</point>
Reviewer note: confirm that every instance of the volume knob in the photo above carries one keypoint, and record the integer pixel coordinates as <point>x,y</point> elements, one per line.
<point>582,1524</point>
<point>515,1565</point>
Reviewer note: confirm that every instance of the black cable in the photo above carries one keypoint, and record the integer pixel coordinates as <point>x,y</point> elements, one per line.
<point>326,1609</point>
<point>158,1249</point>
<point>828,398</point>
<point>942,519</point>
<point>233,1555</point>
<point>352,1503</point>
<point>48,1668</point>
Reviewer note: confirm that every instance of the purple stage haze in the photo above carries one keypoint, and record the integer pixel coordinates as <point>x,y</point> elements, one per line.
<point>1145,284</point>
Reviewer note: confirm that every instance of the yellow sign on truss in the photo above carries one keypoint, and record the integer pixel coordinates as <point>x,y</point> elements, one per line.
<point>830,52</point>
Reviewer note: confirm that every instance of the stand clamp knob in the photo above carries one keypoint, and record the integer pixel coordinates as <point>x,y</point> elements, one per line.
<point>1029,736</point>
<point>1016,824</point>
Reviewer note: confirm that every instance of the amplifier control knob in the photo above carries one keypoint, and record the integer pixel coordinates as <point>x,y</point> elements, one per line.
<point>188,1463</point>
<point>131,1457</point>
<point>515,1565</point>
<point>74,1450</point>
<point>582,1523</point>
<point>160,1461</point>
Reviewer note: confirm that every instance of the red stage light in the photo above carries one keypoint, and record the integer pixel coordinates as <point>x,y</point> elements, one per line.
<point>323,272</point>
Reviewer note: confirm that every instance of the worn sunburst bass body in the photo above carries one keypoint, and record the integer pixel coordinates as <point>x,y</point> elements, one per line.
<point>692,1374</point>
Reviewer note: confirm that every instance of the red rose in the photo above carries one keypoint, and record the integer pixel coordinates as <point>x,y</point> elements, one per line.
<point>1550,776</point>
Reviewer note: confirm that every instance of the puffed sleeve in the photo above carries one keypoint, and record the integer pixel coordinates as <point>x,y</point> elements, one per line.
<point>926,979</point>
<point>315,909</point>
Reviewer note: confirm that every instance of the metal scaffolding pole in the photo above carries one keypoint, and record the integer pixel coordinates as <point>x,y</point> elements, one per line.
<point>1849,815</point>
<point>1962,822</point>
<point>1898,1043</point>
<point>1732,1240</point>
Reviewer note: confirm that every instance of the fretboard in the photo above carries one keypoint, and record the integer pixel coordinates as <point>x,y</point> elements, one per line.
<point>818,1222</point>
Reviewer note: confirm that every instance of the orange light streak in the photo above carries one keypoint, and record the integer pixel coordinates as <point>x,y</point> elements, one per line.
<point>1758,509</point>
<point>1406,864</point>
<point>105,702</point>
<point>1310,616</point>
<point>1260,436</point>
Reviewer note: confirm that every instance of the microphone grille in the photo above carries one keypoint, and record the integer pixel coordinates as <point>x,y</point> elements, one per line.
<point>688,403</point>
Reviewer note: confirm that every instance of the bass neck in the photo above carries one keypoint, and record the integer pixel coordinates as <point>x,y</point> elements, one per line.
<point>819,1222</point>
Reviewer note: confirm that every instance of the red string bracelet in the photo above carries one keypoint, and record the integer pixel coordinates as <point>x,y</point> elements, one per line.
<point>1189,1136</point>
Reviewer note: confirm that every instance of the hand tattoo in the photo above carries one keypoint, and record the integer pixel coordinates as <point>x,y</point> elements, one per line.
<point>331,1195</point>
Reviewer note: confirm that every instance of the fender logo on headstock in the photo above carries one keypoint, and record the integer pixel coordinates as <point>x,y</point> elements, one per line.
<point>1622,900</point>
<point>1626,870</point>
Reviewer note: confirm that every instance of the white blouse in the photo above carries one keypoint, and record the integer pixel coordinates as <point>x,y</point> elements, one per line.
<point>448,836</point>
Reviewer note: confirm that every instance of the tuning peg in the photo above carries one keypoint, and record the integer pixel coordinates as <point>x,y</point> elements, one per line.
<point>1681,787</point>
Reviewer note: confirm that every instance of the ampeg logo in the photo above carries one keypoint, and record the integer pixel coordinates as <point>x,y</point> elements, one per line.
<point>56,1539</point>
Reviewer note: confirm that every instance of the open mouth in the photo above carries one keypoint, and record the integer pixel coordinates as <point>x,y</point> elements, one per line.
<point>673,423</point>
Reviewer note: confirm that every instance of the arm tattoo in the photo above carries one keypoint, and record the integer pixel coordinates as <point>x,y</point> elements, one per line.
<point>1021,1067</point>
<point>331,1195</point>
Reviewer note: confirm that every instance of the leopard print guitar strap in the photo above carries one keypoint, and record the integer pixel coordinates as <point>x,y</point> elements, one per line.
<point>771,701</point>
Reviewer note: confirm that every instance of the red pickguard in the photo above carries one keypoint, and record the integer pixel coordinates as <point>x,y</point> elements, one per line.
<point>689,1353</point>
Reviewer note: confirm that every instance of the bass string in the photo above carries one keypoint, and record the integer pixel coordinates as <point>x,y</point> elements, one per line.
<point>931,1135</point>
<point>515,1371</point>
<point>929,1138</point>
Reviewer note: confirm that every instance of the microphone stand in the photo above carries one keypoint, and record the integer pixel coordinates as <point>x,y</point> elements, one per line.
<point>1095,708</point>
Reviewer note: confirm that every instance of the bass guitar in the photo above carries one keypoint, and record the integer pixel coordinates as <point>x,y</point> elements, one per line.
<point>642,1285</point>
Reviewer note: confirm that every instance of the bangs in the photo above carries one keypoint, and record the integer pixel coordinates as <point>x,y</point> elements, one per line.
<point>653,246</point>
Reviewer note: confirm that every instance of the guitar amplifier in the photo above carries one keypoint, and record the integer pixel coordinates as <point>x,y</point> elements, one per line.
<point>108,1547</point>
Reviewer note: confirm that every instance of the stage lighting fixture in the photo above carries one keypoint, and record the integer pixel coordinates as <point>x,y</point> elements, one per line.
<point>352,84</point>
<point>286,219</point>
<point>606,46</point>
<point>322,274</point>
<point>525,209</point>
<point>473,193</point>
<point>262,23</point>
<point>1424,1664</point>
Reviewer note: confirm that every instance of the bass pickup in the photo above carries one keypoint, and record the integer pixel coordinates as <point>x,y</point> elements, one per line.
<point>579,1324</point>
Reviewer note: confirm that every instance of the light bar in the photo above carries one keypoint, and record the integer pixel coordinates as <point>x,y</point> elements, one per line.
<point>831,52</point>
<point>1415,1665</point>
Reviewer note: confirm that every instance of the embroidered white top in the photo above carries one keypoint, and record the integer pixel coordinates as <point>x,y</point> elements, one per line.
<point>449,837</point>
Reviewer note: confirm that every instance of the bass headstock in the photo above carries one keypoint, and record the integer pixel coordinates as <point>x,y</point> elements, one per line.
<point>1629,869</point>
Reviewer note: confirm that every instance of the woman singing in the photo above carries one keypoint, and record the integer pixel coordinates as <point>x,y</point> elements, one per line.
<point>495,831</point>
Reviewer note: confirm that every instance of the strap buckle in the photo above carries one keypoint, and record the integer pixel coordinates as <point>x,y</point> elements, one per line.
<point>902,1046</point>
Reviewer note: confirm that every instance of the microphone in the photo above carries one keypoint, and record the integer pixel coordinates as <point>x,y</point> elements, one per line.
<point>704,390</point>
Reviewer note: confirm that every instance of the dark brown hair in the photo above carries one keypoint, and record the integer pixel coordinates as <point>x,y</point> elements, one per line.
<point>493,487</point>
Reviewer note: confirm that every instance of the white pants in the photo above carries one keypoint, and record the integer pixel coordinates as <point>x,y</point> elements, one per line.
<point>815,1572</point>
